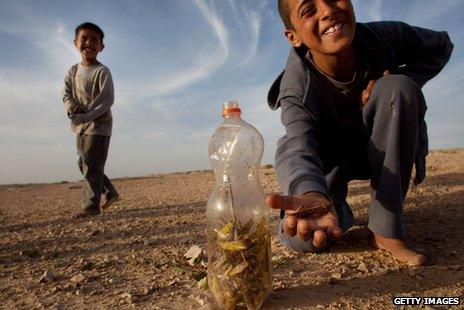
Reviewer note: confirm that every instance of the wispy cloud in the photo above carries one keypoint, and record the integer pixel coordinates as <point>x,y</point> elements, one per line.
<point>375,9</point>
<point>253,19</point>
<point>218,26</point>
<point>205,63</point>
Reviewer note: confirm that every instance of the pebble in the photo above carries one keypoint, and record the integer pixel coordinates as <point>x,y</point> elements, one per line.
<point>194,255</point>
<point>150,242</point>
<point>337,275</point>
<point>94,233</point>
<point>78,278</point>
<point>362,267</point>
<point>48,276</point>
<point>126,296</point>
<point>278,285</point>
<point>173,282</point>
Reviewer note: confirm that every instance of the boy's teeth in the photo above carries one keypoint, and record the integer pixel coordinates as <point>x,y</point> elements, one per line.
<point>333,29</point>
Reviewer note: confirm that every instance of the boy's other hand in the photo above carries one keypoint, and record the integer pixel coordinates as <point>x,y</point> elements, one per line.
<point>319,228</point>
<point>366,93</point>
<point>76,109</point>
<point>79,118</point>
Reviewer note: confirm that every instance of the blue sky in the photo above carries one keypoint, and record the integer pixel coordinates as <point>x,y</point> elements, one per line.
<point>174,62</point>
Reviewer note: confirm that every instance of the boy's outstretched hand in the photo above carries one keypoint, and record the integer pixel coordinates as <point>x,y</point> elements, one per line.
<point>320,227</point>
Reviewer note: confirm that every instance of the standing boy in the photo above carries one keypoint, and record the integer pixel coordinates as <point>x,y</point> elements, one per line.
<point>352,106</point>
<point>88,95</point>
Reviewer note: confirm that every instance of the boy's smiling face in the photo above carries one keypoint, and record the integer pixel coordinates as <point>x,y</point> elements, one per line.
<point>324,26</point>
<point>89,43</point>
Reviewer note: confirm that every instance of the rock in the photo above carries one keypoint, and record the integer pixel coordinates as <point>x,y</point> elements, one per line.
<point>150,241</point>
<point>173,282</point>
<point>150,290</point>
<point>362,267</point>
<point>337,275</point>
<point>78,278</point>
<point>383,272</point>
<point>127,296</point>
<point>194,255</point>
<point>278,285</point>
<point>94,233</point>
<point>48,276</point>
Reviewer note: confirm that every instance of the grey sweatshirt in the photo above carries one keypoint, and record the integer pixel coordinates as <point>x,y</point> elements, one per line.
<point>314,142</point>
<point>90,88</point>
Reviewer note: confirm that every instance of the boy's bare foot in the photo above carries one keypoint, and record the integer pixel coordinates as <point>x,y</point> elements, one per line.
<point>109,201</point>
<point>399,250</point>
<point>86,213</point>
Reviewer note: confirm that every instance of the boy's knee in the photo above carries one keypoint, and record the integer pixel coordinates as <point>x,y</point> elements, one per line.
<point>396,84</point>
<point>398,92</point>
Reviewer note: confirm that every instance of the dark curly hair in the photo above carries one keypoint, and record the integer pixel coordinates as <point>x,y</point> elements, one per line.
<point>90,26</point>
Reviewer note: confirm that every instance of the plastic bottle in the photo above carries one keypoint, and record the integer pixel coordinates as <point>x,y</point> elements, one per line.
<point>239,249</point>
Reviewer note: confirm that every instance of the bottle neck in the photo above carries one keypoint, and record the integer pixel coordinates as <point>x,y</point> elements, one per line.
<point>232,115</point>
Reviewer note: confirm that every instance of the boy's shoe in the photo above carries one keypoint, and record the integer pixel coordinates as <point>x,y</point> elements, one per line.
<point>109,201</point>
<point>87,213</point>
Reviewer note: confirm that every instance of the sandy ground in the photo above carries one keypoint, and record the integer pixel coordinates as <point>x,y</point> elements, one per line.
<point>132,255</point>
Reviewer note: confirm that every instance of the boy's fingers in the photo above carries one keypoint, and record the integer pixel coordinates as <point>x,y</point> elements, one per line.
<point>365,97</point>
<point>304,231</point>
<point>282,202</point>
<point>319,238</point>
<point>334,232</point>
<point>290,225</point>
<point>367,92</point>
<point>370,86</point>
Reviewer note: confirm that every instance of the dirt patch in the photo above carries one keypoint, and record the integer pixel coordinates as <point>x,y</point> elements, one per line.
<point>132,255</point>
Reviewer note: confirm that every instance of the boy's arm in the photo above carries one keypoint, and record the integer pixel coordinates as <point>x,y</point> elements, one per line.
<point>298,166</point>
<point>102,102</point>
<point>68,99</point>
<point>423,52</point>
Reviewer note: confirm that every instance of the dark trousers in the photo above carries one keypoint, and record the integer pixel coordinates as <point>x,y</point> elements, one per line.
<point>92,152</point>
<point>392,117</point>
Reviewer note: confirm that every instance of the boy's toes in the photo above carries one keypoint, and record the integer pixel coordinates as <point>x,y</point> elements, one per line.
<point>418,260</point>
<point>400,250</point>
